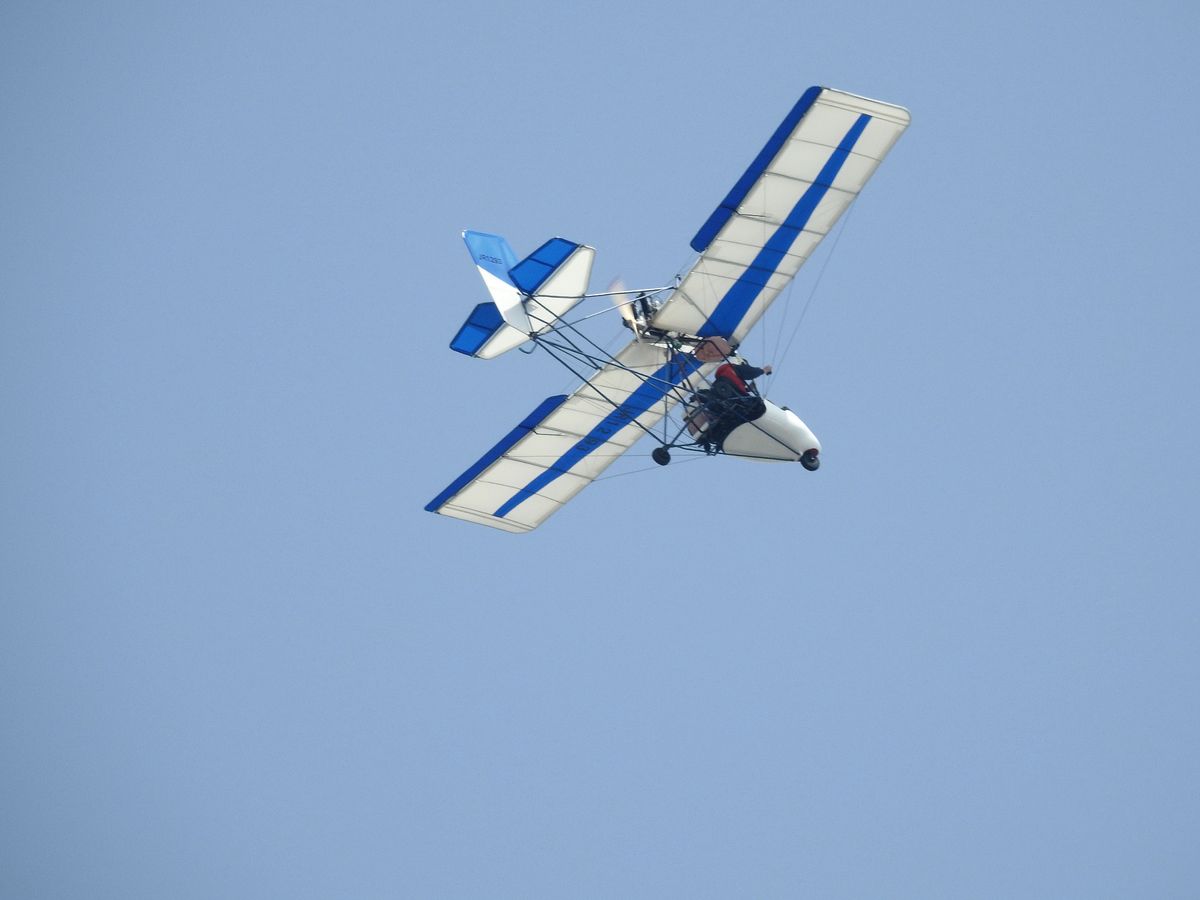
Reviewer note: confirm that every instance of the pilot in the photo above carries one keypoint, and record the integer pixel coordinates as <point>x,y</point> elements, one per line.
<point>731,401</point>
<point>738,374</point>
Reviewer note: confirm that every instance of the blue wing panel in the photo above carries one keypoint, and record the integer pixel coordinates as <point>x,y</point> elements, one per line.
<point>531,272</point>
<point>484,321</point>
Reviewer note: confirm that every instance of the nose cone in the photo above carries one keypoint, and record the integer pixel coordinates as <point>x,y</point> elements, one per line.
<point>803,434</point>
<point>777,436</point>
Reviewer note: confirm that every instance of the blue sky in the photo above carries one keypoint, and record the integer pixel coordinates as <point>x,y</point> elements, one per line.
<point>237,658</point>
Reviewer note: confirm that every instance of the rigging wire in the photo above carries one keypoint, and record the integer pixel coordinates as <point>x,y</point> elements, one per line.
<point>603,396</point>
<point>812,293</point>
<point>654,468</point>
<point>777,329</point>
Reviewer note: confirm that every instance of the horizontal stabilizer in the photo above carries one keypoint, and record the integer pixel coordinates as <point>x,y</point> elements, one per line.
<point>555,278</point>
<point>485,334</point>
<point>533,271</point>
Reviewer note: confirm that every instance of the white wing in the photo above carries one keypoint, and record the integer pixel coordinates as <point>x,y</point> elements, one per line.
<point>564,444</point>
<point>798,186</point>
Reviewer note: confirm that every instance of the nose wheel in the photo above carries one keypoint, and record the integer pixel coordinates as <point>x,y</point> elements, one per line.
<point>810,461</point>
<point>661,455</point>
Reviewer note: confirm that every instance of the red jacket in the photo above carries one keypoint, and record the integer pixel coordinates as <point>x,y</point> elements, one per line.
<point>738,375</point>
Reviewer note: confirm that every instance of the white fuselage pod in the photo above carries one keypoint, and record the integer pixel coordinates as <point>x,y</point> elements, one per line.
<point>777,435</point>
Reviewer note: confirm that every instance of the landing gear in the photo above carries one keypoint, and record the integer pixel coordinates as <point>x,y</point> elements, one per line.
<point>661,455</point>
<point>810,461</point>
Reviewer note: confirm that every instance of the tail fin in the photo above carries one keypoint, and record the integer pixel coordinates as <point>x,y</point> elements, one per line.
<point>496,326</point>
<point>495,258</point>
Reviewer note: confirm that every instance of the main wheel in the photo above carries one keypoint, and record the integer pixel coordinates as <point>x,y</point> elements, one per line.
<point>810,461</point>
<point>661,455</point>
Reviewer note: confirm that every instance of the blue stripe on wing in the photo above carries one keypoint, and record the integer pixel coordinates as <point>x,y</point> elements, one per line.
<point>742,294</point>
<point>527,425</point>
<point>652,390</point>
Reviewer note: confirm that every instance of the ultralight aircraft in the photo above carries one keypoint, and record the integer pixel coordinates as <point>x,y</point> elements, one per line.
<point>676,379</point>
